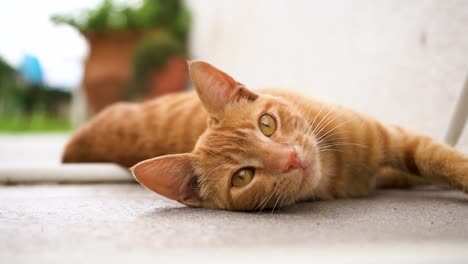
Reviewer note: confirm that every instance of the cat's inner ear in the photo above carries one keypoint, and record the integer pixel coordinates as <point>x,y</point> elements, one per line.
<point>217,89</point>
<point>171,176</point>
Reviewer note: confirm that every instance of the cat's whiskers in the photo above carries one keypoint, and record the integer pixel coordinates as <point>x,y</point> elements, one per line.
<point>325,150</point>
<point>310,126</point>
<point>319,124</point>
<point>310,112</point>
<point>267,200</point>
<point>338,126</point>
<point>331,119</point>
<point>334,139</point>
<point>324,137</point>
<point>315,118</point>
<point>332,142</point>
<point>302,144</point>
<point>330,147</point>
<point>264,200</point>
<point>282,201</point>
<point>277,200</point>
<point>310,132</point>
<point>343,144</point>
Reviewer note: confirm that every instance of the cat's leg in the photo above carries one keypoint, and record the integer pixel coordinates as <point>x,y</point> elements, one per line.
<point>391,178</point>
<point>424,156</point>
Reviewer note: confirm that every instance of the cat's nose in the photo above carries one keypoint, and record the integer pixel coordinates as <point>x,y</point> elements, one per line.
<point>291,161</point>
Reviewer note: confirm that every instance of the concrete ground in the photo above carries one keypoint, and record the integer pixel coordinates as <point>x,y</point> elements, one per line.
<point>125,222</point>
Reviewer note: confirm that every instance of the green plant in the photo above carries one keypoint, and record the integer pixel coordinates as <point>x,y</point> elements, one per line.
<point>170,15</point>
<point>5,68</point>
<point>8,86</point>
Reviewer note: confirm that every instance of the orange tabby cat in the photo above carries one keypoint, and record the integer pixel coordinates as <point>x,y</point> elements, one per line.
<point>241,150</point>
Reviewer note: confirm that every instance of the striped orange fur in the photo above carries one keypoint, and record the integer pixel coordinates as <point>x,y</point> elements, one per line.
<point>190,148</point>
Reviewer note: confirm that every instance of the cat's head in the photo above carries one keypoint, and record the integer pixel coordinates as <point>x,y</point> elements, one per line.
<point>257,152</point>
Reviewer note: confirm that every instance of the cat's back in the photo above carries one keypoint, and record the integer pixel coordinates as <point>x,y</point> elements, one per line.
<point>126,133</point>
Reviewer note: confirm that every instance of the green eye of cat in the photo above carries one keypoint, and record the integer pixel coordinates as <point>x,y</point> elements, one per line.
<point>242,177</point>
<point>267,125</point>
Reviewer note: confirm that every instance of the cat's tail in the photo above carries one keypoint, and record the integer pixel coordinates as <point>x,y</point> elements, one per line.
<point>80,148</point>
<point>104,138</point>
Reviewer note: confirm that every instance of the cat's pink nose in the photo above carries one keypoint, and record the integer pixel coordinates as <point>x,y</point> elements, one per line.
<point>291,162</point>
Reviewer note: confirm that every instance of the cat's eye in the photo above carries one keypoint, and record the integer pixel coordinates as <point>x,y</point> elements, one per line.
<point>267,125</point>
<point>242,177</point>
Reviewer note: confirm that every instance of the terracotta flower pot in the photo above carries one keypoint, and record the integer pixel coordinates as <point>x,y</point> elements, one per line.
<point>109,67</point>
<point>171,78</point>
<point>108,70</point>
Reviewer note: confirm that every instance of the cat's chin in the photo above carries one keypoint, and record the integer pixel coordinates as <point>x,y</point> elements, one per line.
<point>309,175</point>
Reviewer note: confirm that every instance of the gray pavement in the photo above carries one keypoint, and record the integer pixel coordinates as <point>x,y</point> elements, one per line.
<point>122,219</point>
<point>123,223</point>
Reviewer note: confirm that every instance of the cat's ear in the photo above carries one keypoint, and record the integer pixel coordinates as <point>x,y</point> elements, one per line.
<point>171,176</point>
<point>215,88</point>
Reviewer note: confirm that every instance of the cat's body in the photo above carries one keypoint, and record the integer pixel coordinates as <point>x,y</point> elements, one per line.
<point>127,133</point>
<point>317,150</point>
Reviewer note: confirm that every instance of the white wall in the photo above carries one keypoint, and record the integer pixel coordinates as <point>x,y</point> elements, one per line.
<point>401,61</point>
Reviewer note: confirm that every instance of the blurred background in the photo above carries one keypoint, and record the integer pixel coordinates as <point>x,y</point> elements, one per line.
<point>62,61</point>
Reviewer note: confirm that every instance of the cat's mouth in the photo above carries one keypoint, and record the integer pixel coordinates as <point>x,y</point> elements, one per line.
<point>306,173</point>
